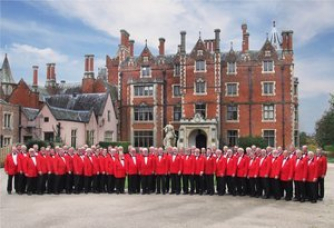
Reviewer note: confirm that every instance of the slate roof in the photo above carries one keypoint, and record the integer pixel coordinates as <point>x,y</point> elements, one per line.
<point>70,115</point>
<point>30,113</point>
<point>6,73</point>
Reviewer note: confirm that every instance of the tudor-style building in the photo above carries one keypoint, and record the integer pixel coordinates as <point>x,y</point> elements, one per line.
<point>210,97</point>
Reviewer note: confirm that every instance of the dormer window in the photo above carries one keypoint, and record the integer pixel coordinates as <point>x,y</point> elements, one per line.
<point>231,68</point>
<point>267,53</point>
<point>268,66</point>
<point>145,71</point>
<point>199,52</point>
<point>200,65</point>
<point>145,59</point>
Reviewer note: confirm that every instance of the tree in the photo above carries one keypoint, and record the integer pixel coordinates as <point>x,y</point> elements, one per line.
<point>325,126</point>
<point>303,138</point>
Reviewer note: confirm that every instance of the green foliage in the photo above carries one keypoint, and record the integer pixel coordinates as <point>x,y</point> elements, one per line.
<point>249,141</point>
<point>39,142</point>
<point>303,138</point>
<point>329,148</point>
<point>325,127</point>
<point>113,144</point>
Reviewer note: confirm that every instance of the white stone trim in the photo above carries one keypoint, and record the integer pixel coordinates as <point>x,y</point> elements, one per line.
<point>200,71</point>
<point>262,88</point>
<point>273,120</point>
<point>238,110</point>
<point>268,72</point>
<point>235,70</point>
<point>195,88</point>
<point>150,74</point>
<point>10,120</point>
<point>226,90</point>
<point>173,95</point>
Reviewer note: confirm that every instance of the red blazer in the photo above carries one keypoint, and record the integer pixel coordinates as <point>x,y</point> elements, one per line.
<point>61,166</point>
<point>221,166</point>
<point>31,168</point>
<point>231,166</point>
<point>322,166</point>
<point>102,163</point>
<point>210,165</point>
<point>120,170</point>
<point>264,167</point>
<point>199,165</point>
<point>110,165</point>
<point>146,169</point>
<point>188,165</point>
<point>161,166</point>
<point>312,170</point>
<point>96,165</point>
<point>242,166</point>
<point>10,167</point>
<point>253,168</point>
<point>276,165</point>
<point>21,162</point>
<point>42,164</point>
<point>132,168</point>
<point>88,166</point>
<point>69,163</point>
<point>300,169</point>
<point>52,164</point>
<point>287,170</point>
<point>78,165</point>
<point>174,166</point>
<point>153,158</point>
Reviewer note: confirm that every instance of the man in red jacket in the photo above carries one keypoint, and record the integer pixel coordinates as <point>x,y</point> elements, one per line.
<point>51,171</point>
<point>153,154</point>
<point>276,165</point>
<point>42,167</point>
<point>188,169</point>
<point>199,172</point>
<point>145,171</point>
<point>88,170</point>
<point>78,170</point>
<point>60,172</point>
<point>322,170</point>
<point>120,173</point>
<point>103,175</point>
<point>264,164</point>
<point>299,176</point>
<point>21,165</point>
<point>209,170</point>
<point>286,175</point>
<point>252,172</point>
<point>132,162</point>
<point>220,172</point>
<point>110,168</point>
<point>312,177</point>
<point>161,163</point>
<point>231,167</point>
<point>31,172</point>
<point>96,170</point>
<point>11,168</point>
<point>241,174</point>
<point>175,171</point>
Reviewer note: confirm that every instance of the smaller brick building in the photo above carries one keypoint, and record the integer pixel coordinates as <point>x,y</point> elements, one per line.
<point>9,123</point>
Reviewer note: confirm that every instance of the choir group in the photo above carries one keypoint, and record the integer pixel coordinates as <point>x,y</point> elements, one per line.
<point>266,173</point>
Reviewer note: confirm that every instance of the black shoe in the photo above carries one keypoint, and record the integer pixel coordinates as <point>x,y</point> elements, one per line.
<point>287,199</point>
<point>302,200</point>
<point>9,192</point>
<point>313,201</point>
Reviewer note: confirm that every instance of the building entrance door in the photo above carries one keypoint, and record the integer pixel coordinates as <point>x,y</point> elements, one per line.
<point>201,140</point>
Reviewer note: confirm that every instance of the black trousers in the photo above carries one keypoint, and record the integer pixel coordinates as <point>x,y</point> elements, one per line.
<point>60,181</point>
<point>138,184</point>
<point>209,184</point>
<point>153,181</point>
<point>87,183</point>
<point>230,181</point>
<point>120,185</point>
<point>31,185</point>
<point>132,183</point>
<point>286,187</point>
<point>176,185</point>
<point>312,190</point>
<point>51,183</point>
<point>252,186</point>
<point>167,183</point>
<point>69,182</point>
<point>300,190</point>
<point>241,185</point>
<point>221,185</point>
<point>22,183</point>
<point>95,184</point>
<point>103,182</point>
<point>186,179</point>
<point>161,183</point>
<point>199,184</point>
<point>41,186</point>
<point>321,188</point>
<point>276,187</point>
<point>10,183</point>
<point>111,184</point>
<point>78,183</point>
<point>262,186</point>
<point>145,183</point>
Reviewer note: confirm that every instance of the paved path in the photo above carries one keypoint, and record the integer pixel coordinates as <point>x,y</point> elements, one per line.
<point>162,211</point>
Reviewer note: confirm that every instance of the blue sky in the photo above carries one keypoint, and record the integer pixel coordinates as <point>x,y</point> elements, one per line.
<point>63,31</point>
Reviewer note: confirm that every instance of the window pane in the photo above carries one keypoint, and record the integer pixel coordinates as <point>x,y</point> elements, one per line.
<point>143,138</point>
<point>177,113</point>
<point>200,65</point>
<point>201,109</point>
<point>231,67</point>
<point>143,113</point>
<point>232,112</point>
<point>269,137</point>
<point>200,87</point>
<point>232,137</point>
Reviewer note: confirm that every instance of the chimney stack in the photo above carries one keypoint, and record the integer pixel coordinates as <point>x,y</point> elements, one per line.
<point>131,44</point>
<point>86,63</point>
<point>48,71</point>
<point>245,38</point>
<point>217,40</point>
<point>287,43</point>
<point>35,77</point>
<point>183,42</point>
<point>91,63</point>
<point>125,38</point>
<point>89,66</point>
<point>162,46</point>
<point>52,71</point>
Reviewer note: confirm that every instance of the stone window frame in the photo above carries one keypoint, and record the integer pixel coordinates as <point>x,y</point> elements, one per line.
<point>264,71</point>
<point>275,136</point>
<point>205,87</point>
<point>268,94</point>
<point>195,66</point>
<point>173,90</point>
<point>237,89</point>
<point>238,135</point>
<point>4,125</point>
<point>238,113</point>
<point>228,72</point>
<point>263,112</point>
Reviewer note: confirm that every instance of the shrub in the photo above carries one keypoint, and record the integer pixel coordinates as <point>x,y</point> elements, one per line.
<point>40,143</point>
<point>249,141</point>
<point>124,144</point>
<point>329,148</point>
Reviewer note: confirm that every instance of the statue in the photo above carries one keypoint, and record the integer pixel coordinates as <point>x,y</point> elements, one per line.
<point>170,138</point>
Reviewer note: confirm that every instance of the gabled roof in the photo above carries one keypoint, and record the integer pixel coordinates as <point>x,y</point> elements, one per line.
<point>6,73</point>
<point>30,113</point>
<point>70,115</point>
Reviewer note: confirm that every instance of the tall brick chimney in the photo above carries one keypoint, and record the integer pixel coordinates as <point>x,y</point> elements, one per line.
<point>287,43</point>
<point>88,80</point>
<point>50,75</point>
<point>131,48</point>
<point>245,38</point>
<point>183,42</point>
<point>217,40</point>
<point>48,72</point>
<point>162,46</point>
<point>125,38</point>
<point>35,78</point>
<point>53,71</point>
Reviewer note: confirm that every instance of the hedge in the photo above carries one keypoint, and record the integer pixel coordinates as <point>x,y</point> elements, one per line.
<point>329,148</point>
<point>124,144</point>
<point>30,143</point>
<point>250,141</point>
